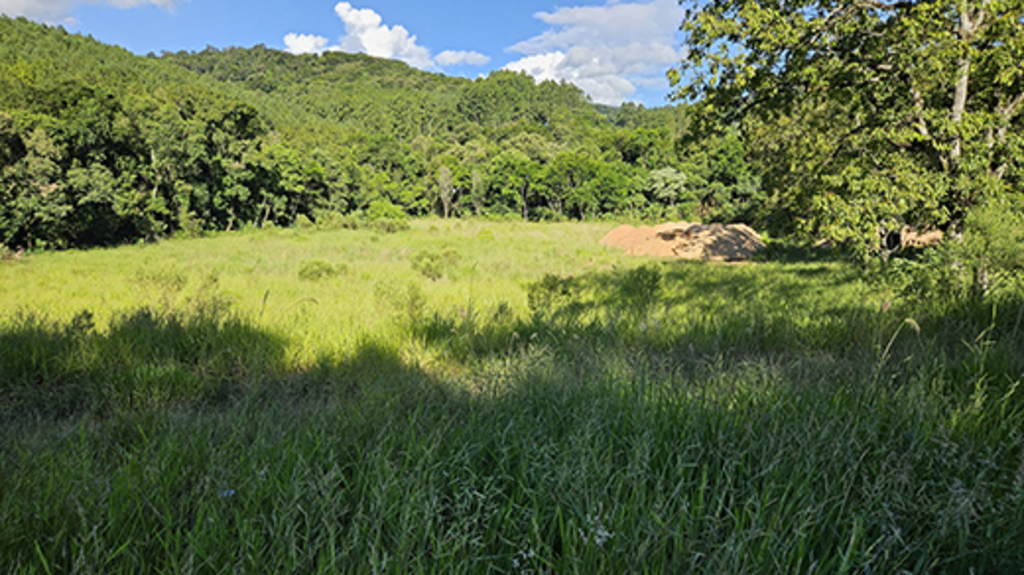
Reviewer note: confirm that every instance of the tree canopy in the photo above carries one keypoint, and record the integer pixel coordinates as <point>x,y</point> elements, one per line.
<point>871,115</point>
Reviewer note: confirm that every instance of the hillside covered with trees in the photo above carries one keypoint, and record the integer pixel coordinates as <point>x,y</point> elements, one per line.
<point>101,147</point>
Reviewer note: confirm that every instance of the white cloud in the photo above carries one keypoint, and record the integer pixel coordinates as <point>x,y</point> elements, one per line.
<point>305,43</point>
<point>60,10</point>
<point>366,32</point>
<point>605,50</point>
<point>455,58</point>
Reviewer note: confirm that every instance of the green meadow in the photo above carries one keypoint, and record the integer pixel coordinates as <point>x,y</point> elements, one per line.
<point>498,397</point>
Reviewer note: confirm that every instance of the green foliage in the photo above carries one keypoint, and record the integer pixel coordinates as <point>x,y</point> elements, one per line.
<point>146,359</point>
<point>987,263</point>
<point>554,298</point>
<point>143,148</point>
<point>316,270</point>
<point>328,220</point>
<point>994,236</point>
<point>434,265</point>
<point>384,210</point>
<point>867,117</point>
<point>640,289</point>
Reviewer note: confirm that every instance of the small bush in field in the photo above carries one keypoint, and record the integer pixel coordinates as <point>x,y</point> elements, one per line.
<point>390,226</point>
<point>331,220</point>
<point>384,210</point>
<point>316,270</point>
<point>435,265</point>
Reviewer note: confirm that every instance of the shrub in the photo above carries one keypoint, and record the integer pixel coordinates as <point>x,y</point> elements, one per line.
<point>331,220</point>
<point>435,265</point>
<point>986,261</point>
<point>390,226</point>
<point>316,270</point>
<point>384,210</point>
<point>189,226</point>
<point>553,295</point>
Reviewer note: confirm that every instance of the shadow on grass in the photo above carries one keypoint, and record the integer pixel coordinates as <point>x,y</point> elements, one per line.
<point>147,358</point>
<point>205,356</point>
<point>586,460</point>
<point>784,251</point>
<point>691,312</point>
<point>682,313</point>
<point>692,306</point>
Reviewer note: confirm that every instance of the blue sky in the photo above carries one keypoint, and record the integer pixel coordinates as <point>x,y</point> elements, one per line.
<point>614,50</point>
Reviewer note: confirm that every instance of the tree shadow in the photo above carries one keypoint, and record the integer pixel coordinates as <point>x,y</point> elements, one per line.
<point>701,302</point>
<point>790,252</point>
<point>146,358</point>
<point>205,356</point>
<point>580,375</point>
<point>693,312</point>
<point>685,313</point>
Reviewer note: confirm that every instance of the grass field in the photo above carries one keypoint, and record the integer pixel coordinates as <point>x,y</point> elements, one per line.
<point>497,397</point>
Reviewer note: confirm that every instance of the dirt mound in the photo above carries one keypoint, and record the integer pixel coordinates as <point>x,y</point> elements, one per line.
<point>912,238</point>
<point>686,240</point>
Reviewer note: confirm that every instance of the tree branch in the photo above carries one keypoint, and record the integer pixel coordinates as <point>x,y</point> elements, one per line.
<point>1006,111</point>
<point>922,128</point>
<point>1009,110</point>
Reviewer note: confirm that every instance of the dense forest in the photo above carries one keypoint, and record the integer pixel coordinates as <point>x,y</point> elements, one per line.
<point>101,147</point>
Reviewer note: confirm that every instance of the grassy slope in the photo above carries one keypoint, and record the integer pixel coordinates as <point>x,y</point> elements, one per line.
<point>670,417</point>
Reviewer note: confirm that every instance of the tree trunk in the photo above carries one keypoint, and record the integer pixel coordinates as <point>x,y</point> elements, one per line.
<point>968,26</point>
<point>959,105</point>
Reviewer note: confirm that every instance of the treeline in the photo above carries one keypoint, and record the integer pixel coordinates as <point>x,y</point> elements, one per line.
<point>100,147</point>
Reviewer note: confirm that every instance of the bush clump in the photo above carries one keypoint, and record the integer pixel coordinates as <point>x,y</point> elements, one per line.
<point>317,269</point>
<point>985,263</point>
<point>435,265</point>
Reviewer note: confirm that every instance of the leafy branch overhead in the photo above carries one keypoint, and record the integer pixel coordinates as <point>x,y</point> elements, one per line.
<point>875,114</point>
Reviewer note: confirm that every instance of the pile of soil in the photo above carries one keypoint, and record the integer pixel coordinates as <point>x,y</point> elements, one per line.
<point>912,238</point>
<point>685,240</point>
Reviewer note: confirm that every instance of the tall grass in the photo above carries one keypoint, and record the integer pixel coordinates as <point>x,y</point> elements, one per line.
<point>541,406</point>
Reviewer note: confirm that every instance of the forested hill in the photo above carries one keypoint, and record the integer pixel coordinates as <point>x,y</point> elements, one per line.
<point>99,146</point>
<point>387,96</point>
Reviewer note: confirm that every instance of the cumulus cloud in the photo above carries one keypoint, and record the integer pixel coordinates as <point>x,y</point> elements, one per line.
<point>60,10</point>
<point>458,57</point>
<point>366,32</point>
<point>305,43</point>
<point>605,50</point>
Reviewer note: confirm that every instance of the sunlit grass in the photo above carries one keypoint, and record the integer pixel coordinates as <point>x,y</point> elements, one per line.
<point>299,401</point>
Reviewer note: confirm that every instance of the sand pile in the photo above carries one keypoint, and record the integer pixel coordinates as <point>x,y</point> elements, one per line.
<point>912,238</point>
<point>689,241</point>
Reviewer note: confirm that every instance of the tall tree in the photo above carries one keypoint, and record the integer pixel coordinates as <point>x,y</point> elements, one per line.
<point>445,189</point>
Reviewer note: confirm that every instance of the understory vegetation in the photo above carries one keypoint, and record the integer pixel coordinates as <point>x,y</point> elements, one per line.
<point>499,397</point>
